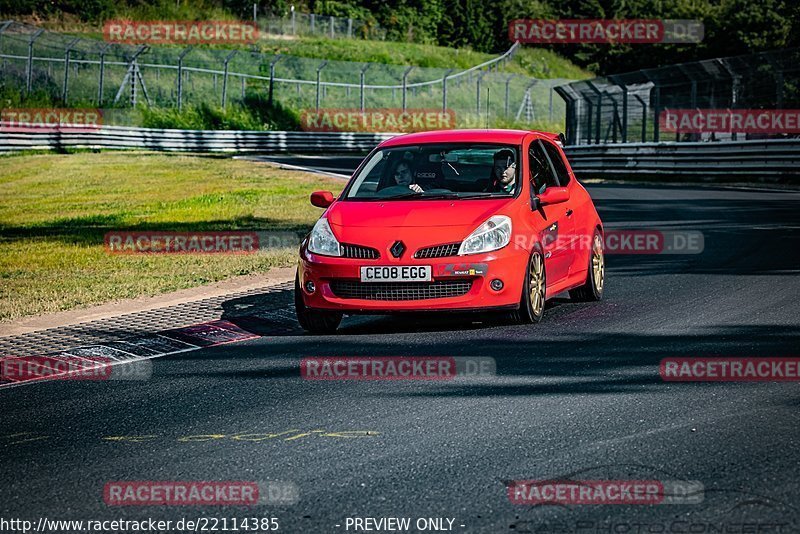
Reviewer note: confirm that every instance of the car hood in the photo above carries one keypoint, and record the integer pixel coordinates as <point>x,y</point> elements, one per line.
<point>414,214</point>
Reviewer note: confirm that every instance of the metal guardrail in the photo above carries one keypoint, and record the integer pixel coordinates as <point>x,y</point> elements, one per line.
<point>763,160</point>
<point>116,137</point>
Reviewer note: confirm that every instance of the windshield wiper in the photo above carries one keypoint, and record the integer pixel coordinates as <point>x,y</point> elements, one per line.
<point>423,194</point>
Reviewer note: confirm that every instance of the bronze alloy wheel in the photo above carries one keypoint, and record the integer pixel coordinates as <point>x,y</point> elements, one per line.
<point>536,284</point>
<point>598,263</point>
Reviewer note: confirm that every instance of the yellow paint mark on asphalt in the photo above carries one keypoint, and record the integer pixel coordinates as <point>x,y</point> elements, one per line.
<point>132,439</point>
<point>28,440</point>
<point>260,437</point>
<point>201,437</point>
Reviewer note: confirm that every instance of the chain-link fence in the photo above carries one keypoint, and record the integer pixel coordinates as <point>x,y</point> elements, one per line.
<point>631,107</point>
<point>313,25</point>
<point>84,72</point>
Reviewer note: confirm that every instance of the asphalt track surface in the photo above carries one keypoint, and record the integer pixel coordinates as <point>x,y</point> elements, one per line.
<point>577,396</point>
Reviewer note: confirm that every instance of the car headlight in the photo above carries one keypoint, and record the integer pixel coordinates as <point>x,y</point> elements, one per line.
<point>494,234</point>
<point>322,241</point>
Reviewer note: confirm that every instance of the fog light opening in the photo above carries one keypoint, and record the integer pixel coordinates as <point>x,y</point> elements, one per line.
<point>310,287</point>
<point>496,284</point>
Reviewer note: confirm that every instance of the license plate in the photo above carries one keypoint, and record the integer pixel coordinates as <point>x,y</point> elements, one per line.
<point>396,273</point>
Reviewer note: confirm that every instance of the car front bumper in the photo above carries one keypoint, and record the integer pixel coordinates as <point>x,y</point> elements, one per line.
<point>337,284</point>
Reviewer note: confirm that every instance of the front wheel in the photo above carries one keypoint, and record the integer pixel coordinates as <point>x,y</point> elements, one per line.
<point>592,289</point>
<point>314,321</point>
<point>531,306</point>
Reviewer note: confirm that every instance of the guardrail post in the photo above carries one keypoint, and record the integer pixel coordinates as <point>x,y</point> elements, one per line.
<point>332,30</point>
<point>350,28</point>
<point>29,80</point>
<point>225,77</point>
<point>319,69</point>
<point>294,26</point>
<point>405,85</point>
<point>67,52</point>
<point>180,76</point>
<point>363,74</point>
<point>313,22</point>
<point>444,90</point>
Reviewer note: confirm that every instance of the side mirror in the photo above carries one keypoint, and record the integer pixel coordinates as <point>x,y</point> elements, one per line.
<point>554,195</point>
<point>322,199</point>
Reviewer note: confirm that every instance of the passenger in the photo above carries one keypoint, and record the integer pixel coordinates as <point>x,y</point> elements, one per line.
<point>504,172</point>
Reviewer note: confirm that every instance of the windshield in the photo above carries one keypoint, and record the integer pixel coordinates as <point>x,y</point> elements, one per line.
<point>454,170</point>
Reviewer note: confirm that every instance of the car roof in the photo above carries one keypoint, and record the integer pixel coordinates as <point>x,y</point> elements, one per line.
<point>510,137</point>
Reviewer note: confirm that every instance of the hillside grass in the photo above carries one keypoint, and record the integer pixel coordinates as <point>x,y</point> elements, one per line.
<point>55,210</point>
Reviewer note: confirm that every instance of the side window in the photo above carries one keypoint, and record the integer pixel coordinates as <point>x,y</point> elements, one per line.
<point>558,163</point>
<point>541,173</point>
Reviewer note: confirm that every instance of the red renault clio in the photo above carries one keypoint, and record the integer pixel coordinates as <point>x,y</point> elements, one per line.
<point>452,221</point>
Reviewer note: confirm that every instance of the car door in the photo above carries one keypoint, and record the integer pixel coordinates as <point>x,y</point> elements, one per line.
<point>571,240</point>
<point>559,227</point>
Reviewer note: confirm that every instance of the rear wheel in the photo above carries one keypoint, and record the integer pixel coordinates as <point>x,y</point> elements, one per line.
<point>531,306</point>
<point>314,321</point>
<point>592,289</point>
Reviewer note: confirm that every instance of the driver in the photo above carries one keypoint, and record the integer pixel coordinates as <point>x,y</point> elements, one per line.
<point>504,172</point>
<point>403,176</point>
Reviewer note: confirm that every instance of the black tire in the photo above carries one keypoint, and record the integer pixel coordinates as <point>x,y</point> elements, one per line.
<point>531,310</point>
<point>592,289</point>
<point>314,321</point>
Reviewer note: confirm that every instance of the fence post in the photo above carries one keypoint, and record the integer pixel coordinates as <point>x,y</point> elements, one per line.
<point>508,81</point>
<point>350,28</point>
<point>180,76</point>
<point>29,80</point>
<point>363,74</point>
<point>332,29</point>
<point>294,27</point>
<point>65,90</point>
<point>624,88</point>
<point>656,110</point>
<point>272,76</point>
<point>319,69</point>
<point>225,77</point>
<point>405,85</point>
<point>478,93</point>
<point>644,116</point>
<point>313,22</point>
<point>444,90</point>
<point>102,74</point>
<point>3,27</point>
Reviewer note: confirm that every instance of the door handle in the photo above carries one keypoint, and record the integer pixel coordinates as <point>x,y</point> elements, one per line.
<point>569,213</point>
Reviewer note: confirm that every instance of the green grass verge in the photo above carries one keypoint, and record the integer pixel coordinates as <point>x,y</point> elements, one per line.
<point>55,210</point>
<point>535,62</point>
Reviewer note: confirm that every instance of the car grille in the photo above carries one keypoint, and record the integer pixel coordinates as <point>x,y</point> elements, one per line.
<point>359,252</point>
<point>400,290</point>
<point>438,251</point>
